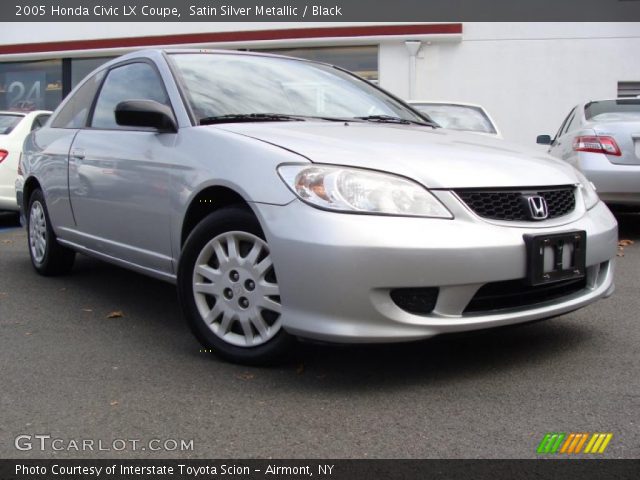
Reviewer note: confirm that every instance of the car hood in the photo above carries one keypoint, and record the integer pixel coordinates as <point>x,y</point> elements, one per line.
<point>437,158</point>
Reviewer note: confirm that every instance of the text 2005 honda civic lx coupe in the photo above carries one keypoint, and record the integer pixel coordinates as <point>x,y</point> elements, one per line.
<point>288,198</point>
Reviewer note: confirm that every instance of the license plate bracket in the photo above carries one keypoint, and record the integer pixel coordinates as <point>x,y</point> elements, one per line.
<point>555,257</point>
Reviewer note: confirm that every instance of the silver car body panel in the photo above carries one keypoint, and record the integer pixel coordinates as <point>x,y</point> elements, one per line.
<point>436,158</point>
<point>627,136</point>
<point>335,270</point>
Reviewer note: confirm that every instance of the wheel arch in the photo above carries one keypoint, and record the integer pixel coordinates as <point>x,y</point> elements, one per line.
<point>206,201</point>
<point>28,188</point>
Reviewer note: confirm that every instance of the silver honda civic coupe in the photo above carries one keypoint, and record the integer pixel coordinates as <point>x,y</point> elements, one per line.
<point>288,198</point>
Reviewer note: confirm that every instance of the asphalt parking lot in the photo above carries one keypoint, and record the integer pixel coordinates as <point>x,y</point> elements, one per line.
<point>68,371</point>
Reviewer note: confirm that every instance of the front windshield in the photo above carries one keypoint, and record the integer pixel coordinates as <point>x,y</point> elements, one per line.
<point>458,117</point>
<point>230,84</point>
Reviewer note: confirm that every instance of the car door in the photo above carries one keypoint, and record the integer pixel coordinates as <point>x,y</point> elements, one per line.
<point>119,176</point>
<point>47,150</point>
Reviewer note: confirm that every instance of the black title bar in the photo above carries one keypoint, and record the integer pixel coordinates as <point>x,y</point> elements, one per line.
<point>317,10</point>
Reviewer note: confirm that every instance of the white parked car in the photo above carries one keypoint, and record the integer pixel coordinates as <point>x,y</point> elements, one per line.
<point>466,117</point>
<point>14,127</point>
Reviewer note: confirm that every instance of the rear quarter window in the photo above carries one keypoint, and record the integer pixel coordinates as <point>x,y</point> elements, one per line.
<point>75,111</point>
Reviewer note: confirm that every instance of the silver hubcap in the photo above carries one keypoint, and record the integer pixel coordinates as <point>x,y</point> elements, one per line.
<point>236,291</point>
<point>37,232</point>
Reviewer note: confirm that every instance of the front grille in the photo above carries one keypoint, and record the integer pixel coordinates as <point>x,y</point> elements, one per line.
<point>510,205</point>
<point>420,301</point>
<point>516,293</point>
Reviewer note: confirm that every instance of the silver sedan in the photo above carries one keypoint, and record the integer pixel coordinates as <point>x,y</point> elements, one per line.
<point>602,139</point>
<point>287,198</point>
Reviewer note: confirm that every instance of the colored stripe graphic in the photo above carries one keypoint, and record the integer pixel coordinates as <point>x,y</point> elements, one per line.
<point>581,443</point>
<point>572,443</point>
<point>594,437</point>
<point>550,442</point>
<point>567,443</point>
<point>605,443</point>
<point>577,439</point>
<point>598,443</point>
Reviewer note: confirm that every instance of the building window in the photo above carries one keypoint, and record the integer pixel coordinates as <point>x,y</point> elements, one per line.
<point>81,67</point>
<point>27,86</point>
<point>628,89</point>
<point>361,60</point>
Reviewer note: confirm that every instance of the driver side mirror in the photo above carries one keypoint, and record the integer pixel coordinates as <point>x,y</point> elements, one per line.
<point>544,139</point>
<point>146,113</point>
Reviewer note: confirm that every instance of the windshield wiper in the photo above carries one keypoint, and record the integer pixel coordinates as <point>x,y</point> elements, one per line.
<point>391,119</point>
<point>282,117</point>
<point>250,117</point>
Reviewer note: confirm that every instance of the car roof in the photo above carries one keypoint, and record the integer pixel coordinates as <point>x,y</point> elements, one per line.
<point>156,53</point>
<point>610,100</point>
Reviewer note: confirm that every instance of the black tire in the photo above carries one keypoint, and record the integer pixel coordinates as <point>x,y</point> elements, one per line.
<point>57,260</point>
<point>9,219</point>
<point>230,219</point>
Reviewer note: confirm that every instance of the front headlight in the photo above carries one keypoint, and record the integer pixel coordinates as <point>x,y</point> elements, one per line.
<point>588,191</point>
<point>356,190</point>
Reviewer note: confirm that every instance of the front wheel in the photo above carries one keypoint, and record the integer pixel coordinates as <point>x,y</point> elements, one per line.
<point>229,290</point>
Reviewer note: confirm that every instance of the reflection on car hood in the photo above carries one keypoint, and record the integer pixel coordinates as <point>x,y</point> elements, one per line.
<point>437,158</point>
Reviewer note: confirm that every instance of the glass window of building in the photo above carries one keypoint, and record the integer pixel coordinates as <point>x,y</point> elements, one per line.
<point>361,60</point>
<point>81,67</point>
<point>28,86</point>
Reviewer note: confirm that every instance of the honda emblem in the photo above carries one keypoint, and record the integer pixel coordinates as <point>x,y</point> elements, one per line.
<point>538,209</point>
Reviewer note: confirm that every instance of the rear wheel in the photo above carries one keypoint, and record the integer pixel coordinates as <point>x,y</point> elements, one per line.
<point>48,257</point>
<point>229,290</point>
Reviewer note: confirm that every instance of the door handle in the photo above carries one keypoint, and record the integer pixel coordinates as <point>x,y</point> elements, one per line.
<point>77,153</point>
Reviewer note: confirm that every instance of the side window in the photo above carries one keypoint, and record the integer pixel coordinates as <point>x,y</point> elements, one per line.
<point>75,111</point>
<point>135,81</point>
<point>564,124</point>
<point>39,121</point>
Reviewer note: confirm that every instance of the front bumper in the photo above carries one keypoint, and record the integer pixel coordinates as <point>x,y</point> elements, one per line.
<point>336,271</point>
<point>8,198</point>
